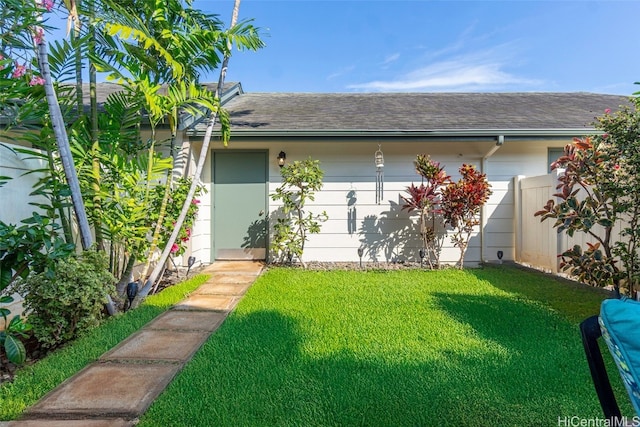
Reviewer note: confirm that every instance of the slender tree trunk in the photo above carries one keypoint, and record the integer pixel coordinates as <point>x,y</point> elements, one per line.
<point>78,65</point>
<point>121,286</point>
<point>161,215</point>
<point>93,111</point>
<point>62,141</point>
<point>66,226</point>
<point>198,172</point>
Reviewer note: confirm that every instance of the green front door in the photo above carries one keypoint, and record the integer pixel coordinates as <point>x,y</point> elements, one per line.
<point>239,204</point>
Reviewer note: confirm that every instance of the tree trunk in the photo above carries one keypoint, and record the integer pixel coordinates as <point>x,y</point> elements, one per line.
<point>62,141</point>
<point>161,216</point>
<point>121,286</point>
<point>198,172</point>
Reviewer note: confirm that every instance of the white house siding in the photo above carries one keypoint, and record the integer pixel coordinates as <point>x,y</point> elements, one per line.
<point>14,195</point>
<point>387,233</point>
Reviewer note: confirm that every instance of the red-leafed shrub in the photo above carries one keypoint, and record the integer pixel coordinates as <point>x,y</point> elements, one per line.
<point>462,202</point>
<point>425,199</point>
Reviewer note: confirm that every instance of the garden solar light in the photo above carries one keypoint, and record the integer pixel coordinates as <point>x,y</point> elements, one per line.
<point>132,291</point>
<point>500,255</point>
<point>360,253</point>
<point>190,261</point>
<point>422,254</point>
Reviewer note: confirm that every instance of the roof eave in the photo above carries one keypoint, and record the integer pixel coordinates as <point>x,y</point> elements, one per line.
<point>433,133</point>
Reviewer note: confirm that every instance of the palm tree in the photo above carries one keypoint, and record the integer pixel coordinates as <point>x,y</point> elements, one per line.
<point>172,51</point>
<point>199,167</point>
<point>62,140</point>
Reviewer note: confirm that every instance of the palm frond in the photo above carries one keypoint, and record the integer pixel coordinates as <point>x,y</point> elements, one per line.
<point>62,59</point>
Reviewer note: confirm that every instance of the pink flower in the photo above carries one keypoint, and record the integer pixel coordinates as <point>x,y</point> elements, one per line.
<point>38,35</point>
<point>607,111</point>
<point>195,201</point>
<point>47,4</point>
<point>36,81</point>
<point>605,136</point>
<point>188,232</point>
<point>19,71</point>
<point>175,248</point>
<point>616,167</point>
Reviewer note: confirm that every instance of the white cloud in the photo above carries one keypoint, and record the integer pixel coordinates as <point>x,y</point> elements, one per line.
<point>345,70</point>
<point>391,58</point>
<point>482,71</point>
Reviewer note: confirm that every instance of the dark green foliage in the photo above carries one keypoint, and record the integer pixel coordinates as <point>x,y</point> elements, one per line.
<point>35,380</point>
<point>14,331</point>
<point>32,247</point>
<point>68,303</point>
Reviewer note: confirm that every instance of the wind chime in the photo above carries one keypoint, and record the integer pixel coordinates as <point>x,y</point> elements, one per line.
<point>379,159</point>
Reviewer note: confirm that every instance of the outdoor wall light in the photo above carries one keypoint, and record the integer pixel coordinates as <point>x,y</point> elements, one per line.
<point>132,291</point>
<point>281,158</point>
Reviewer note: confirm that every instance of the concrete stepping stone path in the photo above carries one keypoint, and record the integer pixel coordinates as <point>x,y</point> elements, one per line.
<point>115,390</point>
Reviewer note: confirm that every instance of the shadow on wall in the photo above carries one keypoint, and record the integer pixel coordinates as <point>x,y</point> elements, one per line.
<point>394,237</point>
<point>272,255</point>
<point>390,237</point>
<point>256,236</point>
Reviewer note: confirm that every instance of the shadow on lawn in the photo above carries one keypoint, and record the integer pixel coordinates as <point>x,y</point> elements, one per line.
<point>258,370</point>
<point>576,301</point>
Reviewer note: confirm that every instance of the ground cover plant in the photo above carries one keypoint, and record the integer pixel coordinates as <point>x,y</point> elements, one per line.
<point>492,346</point>
<point>32,382</point>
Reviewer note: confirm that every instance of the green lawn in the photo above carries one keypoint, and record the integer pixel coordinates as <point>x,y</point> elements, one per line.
<point>486,347</point>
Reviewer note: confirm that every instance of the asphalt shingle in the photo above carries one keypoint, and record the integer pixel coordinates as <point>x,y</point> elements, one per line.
<point>417,111</point>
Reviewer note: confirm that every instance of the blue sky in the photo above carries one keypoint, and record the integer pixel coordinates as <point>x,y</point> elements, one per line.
<point>438,46</point>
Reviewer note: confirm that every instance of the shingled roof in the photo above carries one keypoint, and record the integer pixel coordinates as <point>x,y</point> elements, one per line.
<point>472,113</point>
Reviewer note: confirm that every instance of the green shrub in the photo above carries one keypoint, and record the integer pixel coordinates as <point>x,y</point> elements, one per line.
<point>300,181</point>
<point>63,305</point>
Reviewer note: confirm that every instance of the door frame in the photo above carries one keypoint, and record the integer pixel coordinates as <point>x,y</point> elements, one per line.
<point>266,195</point>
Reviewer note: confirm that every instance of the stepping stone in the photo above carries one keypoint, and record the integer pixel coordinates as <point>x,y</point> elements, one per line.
<point>231,278</point>
<point>157,345</point>
<point>207,302</point>
<point>220,288</point>
<point>116,422</point>
<point>239,266</point>
<point>188,320</point>
<point>113,390</point>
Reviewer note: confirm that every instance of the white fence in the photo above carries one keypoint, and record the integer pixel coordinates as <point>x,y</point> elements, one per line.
<point>537,242</point>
